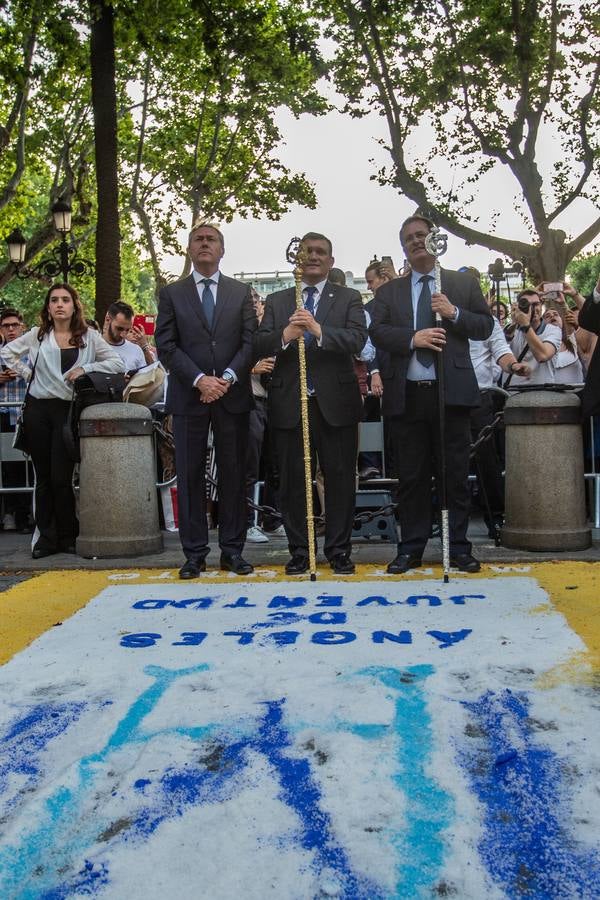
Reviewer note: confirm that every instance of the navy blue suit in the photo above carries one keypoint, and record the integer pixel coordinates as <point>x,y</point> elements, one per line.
<point>187,346</point>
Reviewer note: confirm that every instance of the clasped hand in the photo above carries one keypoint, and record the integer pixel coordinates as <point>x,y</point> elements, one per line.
<point>300,321</point>
<point>212,388</point>
<point>440,304</point>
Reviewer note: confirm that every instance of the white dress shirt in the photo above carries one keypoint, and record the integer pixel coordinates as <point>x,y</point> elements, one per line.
<point>485,354</point>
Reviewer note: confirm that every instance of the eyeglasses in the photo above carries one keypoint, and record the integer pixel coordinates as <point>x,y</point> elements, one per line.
<point>10,325</point>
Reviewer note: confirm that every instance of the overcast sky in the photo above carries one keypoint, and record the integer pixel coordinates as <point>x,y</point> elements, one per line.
<point>359,215</point>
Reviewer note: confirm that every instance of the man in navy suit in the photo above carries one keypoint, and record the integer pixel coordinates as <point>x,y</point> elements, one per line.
<point>204,339</point>
<point>402,325</point>
<point>334,328</point>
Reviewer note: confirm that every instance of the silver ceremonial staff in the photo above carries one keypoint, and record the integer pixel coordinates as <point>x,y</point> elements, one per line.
<point>436,244</point>
<point>295,256</point>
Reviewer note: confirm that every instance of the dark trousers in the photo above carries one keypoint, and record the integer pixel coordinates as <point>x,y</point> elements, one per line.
<point>259,460</point>
<point>54,499</point>
<point>336,447</point>
<point>417,456</point>
<point>230,433</point>
<point>487,462</point>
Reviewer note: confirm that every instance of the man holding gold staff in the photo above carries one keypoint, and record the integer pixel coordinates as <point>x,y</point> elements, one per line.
<point>333,323</point>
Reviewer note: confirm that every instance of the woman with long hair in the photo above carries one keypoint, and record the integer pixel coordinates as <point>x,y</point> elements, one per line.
<point>567,365</point>
<point>57,352</point>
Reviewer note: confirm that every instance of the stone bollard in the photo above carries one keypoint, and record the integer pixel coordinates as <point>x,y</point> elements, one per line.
<point>544,487</point>
<point>118,507</point>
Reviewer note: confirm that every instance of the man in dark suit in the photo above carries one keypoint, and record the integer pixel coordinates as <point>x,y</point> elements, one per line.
<point>334,328</point>
<point>402,324</point>
<point>204,338</point>
<point>589,319</point>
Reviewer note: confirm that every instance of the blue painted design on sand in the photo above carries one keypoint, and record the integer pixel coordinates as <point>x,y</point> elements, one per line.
<point>429,809</point>
<point>23,744</point>
<point>69,841</point>
<point>526,845</point>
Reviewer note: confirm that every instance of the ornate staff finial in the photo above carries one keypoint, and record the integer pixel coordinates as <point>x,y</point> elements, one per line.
<point>293,250</point>
<point>436,242</point>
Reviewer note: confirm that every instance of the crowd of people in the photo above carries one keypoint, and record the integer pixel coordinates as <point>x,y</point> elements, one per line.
<point>233,382</point>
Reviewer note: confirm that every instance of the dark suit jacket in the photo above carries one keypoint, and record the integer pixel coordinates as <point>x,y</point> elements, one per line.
<point>341,317</point>
<point>589,318</point>
<point>186,346</point>
<point>392,330</point>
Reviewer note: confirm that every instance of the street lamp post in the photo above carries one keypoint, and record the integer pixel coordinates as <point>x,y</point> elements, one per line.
<point>63,259</point>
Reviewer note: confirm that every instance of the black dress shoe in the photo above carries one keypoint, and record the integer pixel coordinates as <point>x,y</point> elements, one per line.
<point>464,562</point>
<point>40,552</point>
<point>297,565</point>
<point>192,568</point>
<point>342,564</point>
<point>402,563</point>
<point>235,563</point>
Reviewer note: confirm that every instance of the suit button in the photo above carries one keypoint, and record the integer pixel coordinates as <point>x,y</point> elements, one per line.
<point>213,343</point>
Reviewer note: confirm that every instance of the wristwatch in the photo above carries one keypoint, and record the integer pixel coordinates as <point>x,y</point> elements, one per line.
<point>227,376</point>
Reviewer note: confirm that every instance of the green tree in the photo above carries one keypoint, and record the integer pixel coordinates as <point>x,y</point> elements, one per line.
<point>493,81</point>
<point>584,272</point>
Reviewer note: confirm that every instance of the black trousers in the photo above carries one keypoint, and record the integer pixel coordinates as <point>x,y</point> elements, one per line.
<point>259,460</point>
<point>336,447</point>
<point>231,437</point>
<point>417,457</point>
<point>54,499</point>
<point>488,465</point>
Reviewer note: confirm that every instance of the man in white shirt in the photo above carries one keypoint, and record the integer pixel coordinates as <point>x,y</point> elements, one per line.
<point>485,356</point>
<point>117,325</point>
<point>539,340</point>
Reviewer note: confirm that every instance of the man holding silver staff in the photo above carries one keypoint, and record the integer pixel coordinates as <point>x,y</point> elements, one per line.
<point>334,328</point>
<point>402,324</point>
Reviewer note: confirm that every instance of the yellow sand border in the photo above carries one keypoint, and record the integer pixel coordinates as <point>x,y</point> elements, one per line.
<point>30,608</point>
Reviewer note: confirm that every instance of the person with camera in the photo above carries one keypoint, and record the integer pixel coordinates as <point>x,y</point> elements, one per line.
<point>534,342</point>
<point>58,352</point>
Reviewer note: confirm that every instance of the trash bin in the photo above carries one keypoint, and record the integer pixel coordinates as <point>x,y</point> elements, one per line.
<point>118,506</point>
<point>544,486</point>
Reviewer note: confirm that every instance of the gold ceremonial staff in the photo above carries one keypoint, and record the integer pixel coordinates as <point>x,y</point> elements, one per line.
<point>295,256</point>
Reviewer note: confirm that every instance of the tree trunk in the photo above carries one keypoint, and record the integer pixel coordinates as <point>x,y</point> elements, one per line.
<point>104,101</point>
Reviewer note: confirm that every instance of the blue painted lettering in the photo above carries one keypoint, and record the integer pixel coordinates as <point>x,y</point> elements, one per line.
<point>286,602</point>
<point>245,637</point>
<point>143,639</point>
<point>151,604</point>
<point>403,637</point>
<point>413,600</point>
<point>380,601</point>
<point>190,639</point>
<point>281,638</point>
<point>447,638</point>
<point>240,603</point>
<point>193,603</point>
<point>329,601</point>
<point>459,599</point>
<point>333,637</point>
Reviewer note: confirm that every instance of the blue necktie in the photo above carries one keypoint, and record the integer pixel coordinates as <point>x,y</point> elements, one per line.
<point>424,320</point>
<point>208,301</point>
<point>308,337</point>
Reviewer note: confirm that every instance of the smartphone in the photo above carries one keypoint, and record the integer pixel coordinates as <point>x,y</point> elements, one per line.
<point>552,289</point>
<point>148,323</point>
<point>387,261</point>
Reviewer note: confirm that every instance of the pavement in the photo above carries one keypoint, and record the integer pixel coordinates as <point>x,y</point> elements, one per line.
<point>15,553</point>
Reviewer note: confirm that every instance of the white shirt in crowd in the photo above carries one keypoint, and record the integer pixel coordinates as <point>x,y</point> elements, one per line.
<point>485,356</point>
<point>541,372</point>
<point>567,365</point>
<point>131,354</point>
<point>49,382</point>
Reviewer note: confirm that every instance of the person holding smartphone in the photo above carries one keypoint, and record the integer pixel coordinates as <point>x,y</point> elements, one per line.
<point>116,333</point>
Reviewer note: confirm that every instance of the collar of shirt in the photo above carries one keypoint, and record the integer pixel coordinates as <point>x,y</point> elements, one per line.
<point>415,276</point>
<point>319,286</point>
<point>199,277</point>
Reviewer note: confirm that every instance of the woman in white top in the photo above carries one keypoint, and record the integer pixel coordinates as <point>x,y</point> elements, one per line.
<point>566,362</point>
<point>61,349</point>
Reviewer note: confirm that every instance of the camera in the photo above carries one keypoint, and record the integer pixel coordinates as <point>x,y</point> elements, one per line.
<point>523,304</point>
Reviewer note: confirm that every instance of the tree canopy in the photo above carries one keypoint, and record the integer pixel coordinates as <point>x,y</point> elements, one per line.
<point>494,84</point>
<point>197,88</point>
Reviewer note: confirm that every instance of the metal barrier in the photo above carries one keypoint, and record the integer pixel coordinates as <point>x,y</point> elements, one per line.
<point>9,455</point>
